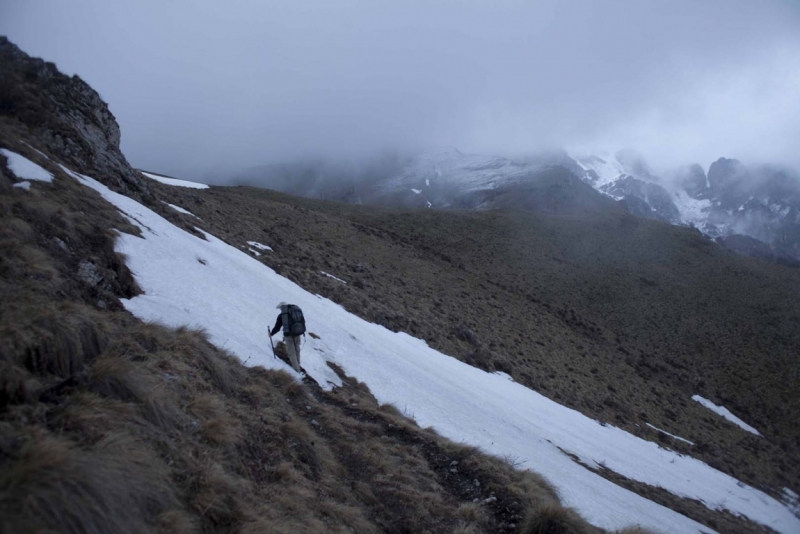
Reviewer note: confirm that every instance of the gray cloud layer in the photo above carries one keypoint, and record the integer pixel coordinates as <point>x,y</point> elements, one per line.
<point>201,86</point>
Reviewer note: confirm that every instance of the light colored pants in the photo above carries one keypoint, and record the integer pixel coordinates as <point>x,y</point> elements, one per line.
<point>293,348</point>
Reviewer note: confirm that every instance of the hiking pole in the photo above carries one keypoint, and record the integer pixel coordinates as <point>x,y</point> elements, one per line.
<point>273,348</point>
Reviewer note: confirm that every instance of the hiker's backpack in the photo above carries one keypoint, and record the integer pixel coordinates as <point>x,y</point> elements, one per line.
<point>294,324</point>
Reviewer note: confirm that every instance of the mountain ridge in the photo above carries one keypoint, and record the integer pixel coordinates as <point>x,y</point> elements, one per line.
<point>763,204</point>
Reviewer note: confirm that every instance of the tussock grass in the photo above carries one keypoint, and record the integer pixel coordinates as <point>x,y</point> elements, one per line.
<point>13,385</point>
<point>51,338</point>
<point>217,425</point>
<point>115,486</point>
<point>465,528</point>
<point>177,522</point>
<point>120,379</point>
<point>221,496</point>
<point>554,519</point>
<point>224,371</point>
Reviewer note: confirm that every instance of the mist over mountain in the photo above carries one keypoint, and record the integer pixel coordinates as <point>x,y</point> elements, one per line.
<point>755,210</point>
<point>203,89</point>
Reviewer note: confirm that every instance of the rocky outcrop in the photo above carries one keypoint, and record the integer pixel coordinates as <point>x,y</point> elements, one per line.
<point>693,180</point>
<point>67,115</point>
<point>725,174</point>
<point>761,203</point>
<point>656,197</point>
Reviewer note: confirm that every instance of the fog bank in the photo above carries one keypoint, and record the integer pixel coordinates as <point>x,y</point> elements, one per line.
<point>208,87</point>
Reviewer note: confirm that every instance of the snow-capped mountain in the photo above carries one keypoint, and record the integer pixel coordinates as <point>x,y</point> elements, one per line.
<point>738,205</point>
<point>754,211</point>
<point>449,178</point>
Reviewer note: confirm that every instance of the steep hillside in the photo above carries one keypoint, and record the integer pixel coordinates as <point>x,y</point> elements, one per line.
<point>109,424</point>
<point>622,318</point>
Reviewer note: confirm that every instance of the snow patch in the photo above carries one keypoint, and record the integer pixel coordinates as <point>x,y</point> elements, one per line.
<point>504,375</point>
<point>606,166</point>
<point>174,181</point>
<point>792,500</point>
<point>724,412</point>
<point>229,296</point>
<point>693,212</point>
<point>416,191</point>
<point>37,151</point>
<point>323,273</point>
<point>23,185</point>
<point>254,252</point>
<point>25,169</point>
<point>181,210</point>
<point>670,435</point>
<point>259,246</point>
<point>780,211</point>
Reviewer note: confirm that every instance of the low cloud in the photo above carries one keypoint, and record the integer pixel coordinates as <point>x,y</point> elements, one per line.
<point>207,88</point>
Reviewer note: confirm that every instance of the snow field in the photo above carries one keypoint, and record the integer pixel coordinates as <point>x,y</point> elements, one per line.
<point>259,246</point>
<point>670,435</point>
<point>329,275</point>
<point>724,412</point>
<point>181,210</point>
<point>25,169</point>
<point>233,296</point>
<point>174,181</point>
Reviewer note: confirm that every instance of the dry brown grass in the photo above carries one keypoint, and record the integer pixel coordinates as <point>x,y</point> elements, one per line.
<point>465,528</point>
<point>115,486</point>
<point>50,337</point>
<point>13,385</point>
<point>554,519</point>
<point>216,423</point>
<point>473,513</point>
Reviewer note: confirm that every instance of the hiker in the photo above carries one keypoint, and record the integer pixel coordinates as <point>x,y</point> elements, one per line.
<point>293,323</point>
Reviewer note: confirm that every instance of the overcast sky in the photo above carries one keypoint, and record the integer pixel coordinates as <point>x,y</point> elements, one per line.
<point>212,86</point>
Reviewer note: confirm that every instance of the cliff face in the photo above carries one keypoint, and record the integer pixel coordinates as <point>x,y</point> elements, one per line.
<point>67,115</point>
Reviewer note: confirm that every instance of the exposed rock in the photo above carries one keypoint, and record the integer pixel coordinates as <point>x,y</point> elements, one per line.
<point>89,273</point>
<point>63,246</point>
<point>636,206</point>
<point>693,180</point>
<point>70,117</point>
<point>726,173</point>
<point>656,197</point>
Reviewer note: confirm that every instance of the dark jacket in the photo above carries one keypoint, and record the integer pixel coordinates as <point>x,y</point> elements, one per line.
<point>278,325</point>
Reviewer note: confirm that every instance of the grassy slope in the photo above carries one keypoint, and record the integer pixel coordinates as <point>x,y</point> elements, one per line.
<point>619,317</point>
<point>108,424</point>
